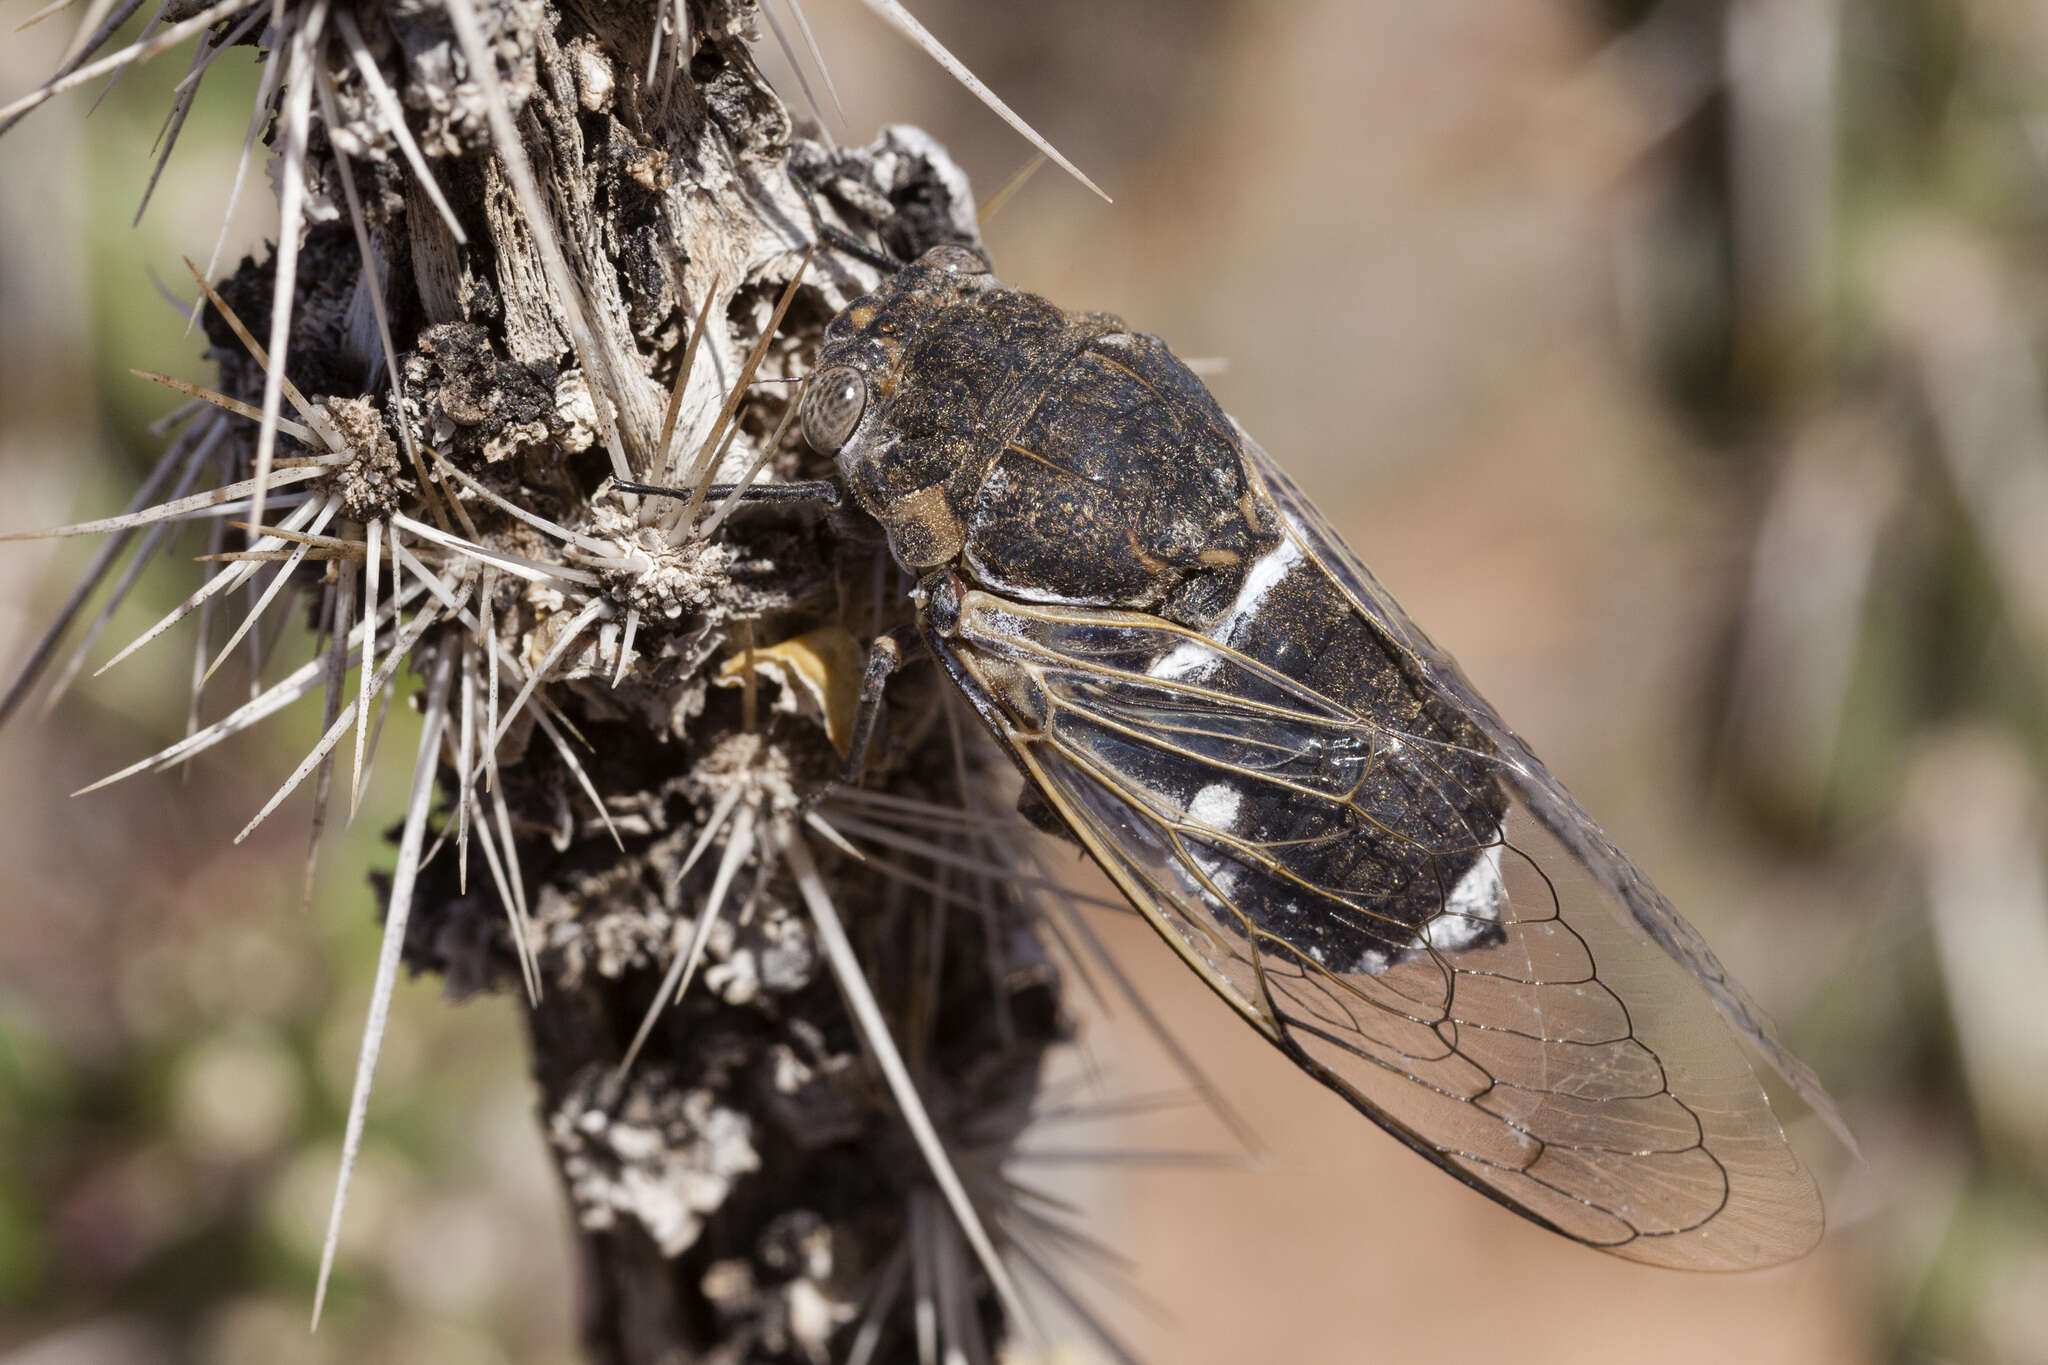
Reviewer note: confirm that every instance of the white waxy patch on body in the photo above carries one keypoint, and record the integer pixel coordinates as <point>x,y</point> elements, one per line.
<point>1371,962</point>
<point>1216,806</point>
<point>1473,905</point>
<point>1225,874</point>
<point>1264,575</point>
<point>1192,660</point>
<point>1472,908</point>
<point>1188,661</point>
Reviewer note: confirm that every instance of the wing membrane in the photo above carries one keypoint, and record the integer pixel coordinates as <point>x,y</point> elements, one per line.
<point>1589,848</point>
<point>1414,910</point>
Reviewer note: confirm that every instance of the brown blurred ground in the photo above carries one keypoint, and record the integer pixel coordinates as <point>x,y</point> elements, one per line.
<point>1405,227</point>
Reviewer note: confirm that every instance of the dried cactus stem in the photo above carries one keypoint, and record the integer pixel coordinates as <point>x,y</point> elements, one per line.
<point>743,1186</point>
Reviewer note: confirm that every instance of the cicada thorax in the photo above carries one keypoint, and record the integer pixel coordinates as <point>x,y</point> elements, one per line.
<point>1055,456</point>
<point>1115,480</point>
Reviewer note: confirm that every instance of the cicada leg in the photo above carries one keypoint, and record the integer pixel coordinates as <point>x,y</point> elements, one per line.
<point>823,491</point>
<point>885,656</point>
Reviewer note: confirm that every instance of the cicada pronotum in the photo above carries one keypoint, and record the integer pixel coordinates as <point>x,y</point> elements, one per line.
<point>1303,795</point>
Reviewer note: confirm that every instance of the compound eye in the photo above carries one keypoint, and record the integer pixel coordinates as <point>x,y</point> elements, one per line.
<point>958,260</point>
<point>832,408</point>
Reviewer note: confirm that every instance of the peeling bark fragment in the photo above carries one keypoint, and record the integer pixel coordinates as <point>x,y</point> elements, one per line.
<point>471,405</point>
<point>373,482</point>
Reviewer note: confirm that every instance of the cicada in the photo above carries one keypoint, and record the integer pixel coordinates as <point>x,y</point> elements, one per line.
<point>1301,793</point>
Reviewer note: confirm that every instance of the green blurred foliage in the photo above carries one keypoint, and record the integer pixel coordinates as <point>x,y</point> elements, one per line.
<point>1917,303</point>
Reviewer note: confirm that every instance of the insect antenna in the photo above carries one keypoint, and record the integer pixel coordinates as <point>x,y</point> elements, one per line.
<point>826,491</point>
<point>838,238</point>
<point>706,463</point>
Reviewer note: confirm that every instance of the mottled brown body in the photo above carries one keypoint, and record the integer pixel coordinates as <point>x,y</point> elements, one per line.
<point>1053,455</point>
<point>1303,794</point>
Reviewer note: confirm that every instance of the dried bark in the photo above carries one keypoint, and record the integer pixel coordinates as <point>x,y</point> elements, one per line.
<point>748,1184</point>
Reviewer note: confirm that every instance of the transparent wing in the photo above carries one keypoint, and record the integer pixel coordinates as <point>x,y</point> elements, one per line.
<point>1415,912</point>
<point>1556,809</point>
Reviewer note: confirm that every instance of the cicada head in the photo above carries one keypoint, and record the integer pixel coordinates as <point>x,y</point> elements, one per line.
<point>904,385</point>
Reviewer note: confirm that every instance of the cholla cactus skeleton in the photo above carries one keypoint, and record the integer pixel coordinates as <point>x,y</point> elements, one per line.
<point>531,249</point>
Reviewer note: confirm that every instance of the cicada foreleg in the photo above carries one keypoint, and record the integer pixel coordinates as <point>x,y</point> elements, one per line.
<point>885,656</point>
<point>825,492</point>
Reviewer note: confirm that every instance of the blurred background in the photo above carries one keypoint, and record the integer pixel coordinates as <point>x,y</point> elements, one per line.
<point>1679,365</point>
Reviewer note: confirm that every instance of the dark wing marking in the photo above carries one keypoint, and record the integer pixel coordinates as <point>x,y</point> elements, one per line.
<point>1432,928</point>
